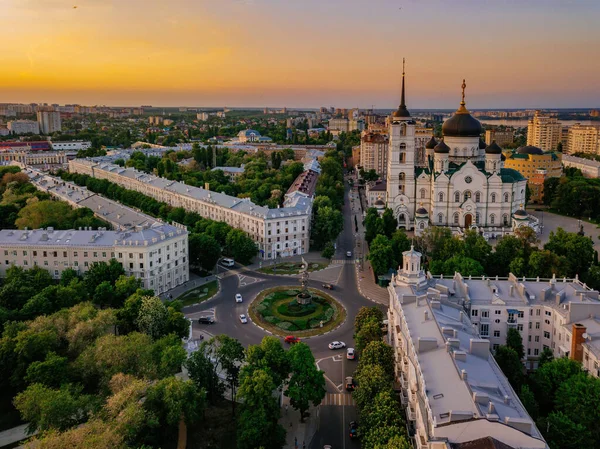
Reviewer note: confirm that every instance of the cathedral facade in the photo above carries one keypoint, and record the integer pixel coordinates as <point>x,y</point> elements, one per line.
<point>463,183</point>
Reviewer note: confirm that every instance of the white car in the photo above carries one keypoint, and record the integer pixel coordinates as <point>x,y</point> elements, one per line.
<point>348,253</point>
<point>243,318</point>
<point>350,354</point>
<point>337,345</point>
<point>238,297</point>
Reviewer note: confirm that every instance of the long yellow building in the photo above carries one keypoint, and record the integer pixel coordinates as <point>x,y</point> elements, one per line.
<point>528,159</point>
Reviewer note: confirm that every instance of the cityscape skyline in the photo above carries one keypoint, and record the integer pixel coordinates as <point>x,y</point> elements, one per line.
<point>262,53</point>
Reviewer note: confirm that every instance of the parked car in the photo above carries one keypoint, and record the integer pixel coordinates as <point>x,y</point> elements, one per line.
<point>353,429</point>
<point>227,262</point>
<point>238,297</point>
<point>243,318</point>
<point>350,383</point>
<point>290,339</point>
<point>348,253</point>
<point>350,354</point>
<point>206,320</point>
<point>337,345</point>
<point>328,286</point>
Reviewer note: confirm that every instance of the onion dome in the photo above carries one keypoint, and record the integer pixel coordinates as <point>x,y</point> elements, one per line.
<point>493,148</point>
<point>379,203</point>
<point>462,123</point>
<point>529,149</point>
<point>431,144</point>
<point>442,148</point>
<point>520,214</point>
<point>422,212</point>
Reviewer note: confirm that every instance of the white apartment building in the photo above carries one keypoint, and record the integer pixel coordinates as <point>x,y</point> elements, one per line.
<point>278,232</point>
<point>49,121</point>
<point>74,145</point>
<point>23,127</point>
<point>583,139</point>
<point>454,392</point>
<point>373,152</point>
<point>158,255</point>
<point>544,132</point>
<point>26,157</point>
<point>589,168</point>
<point>338,124</point>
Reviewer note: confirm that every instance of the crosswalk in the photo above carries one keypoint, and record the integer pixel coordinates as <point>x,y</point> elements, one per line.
<point>342,261</point>
<point>338,399</point>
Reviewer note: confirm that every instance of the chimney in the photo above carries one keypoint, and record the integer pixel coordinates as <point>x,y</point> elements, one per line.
<point>206,186</point>
<point>576,342</point>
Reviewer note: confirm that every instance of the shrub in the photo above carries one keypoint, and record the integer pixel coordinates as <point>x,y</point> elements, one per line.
<point>286,325</point>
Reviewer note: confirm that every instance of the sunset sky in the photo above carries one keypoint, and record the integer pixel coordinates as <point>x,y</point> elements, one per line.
<point>301,53</point>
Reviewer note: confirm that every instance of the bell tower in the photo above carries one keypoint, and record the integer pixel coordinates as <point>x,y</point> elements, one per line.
<point>401,163</point>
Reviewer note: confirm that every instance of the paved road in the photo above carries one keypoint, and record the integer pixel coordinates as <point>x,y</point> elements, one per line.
<point>340,410</point>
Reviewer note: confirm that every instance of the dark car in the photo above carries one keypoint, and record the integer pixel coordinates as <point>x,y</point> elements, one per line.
<point>353,429</point>
<point>206,320</point>
<point>328,286</point>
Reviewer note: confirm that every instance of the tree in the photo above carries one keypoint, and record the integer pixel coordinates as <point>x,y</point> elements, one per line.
<point>373,225</point>
<point>561,432</point>
<point>45,408</point>
<point>378,353</point>
<point>229,355</point>
<point>397,442</point>
<point>545,357</point>
<point>100,272</point>
<point>372,380</point>
<point>258,424</point>
<point>328,223</point>
<point>514,341</point>
<point>240,246</point>
<point>528,399</point>
<point>52,372</point>
<point>328,251</point>
<point>270,356</point>
<point>545,264</point>
<point>549,377</point>
<point>366,314</point>
<point>577,398</point>
<point>381,421</point>
<point>510,363</point>
<point>381,255</point>
<point>476,247</point>
<point>578,250</point>
<point>204,374</point>
<point>390,224</point>
<point>461,264</point>
<point>204,251</point>
<point>400,243</point>
<point>307,382</point>
<point>173,399</point>
<point>152,317</point>
<point>369,332</point>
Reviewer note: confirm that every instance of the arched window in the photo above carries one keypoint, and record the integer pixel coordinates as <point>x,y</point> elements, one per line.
<point>492,219</point>
<point>403,147</point>
<point>495,166</point>
<point>505,219</point>
<point>423,193</point>
<point>401,176</point>
<point>457,197</point>
<point>403,129</point>
<point>421,225</point>
<point>456,218</point>
<point>472,151</point>
<point>440,218</point>
<point>401,218</point>
<point>506,197</point>
<point>493,198</point>
<point>467,194</point>
<point>402,157</point>
<point>513,195</point>
<point>476,217</point>
<point>464,152</point>
<point>477,197</point>
<point>441,197</point>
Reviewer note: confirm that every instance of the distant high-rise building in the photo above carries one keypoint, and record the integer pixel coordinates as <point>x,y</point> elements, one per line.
<point>23,127</point>
<point>501,137</point>
<point>202,116</point>
<point>583,139</point>
<point>49,121</point>
<point>544,132</point>
<point>373,152</point>
<point>338,124</point>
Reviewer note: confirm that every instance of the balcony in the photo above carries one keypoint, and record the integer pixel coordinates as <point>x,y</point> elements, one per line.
<point>403,381</point>
<point>412,396</point>
<point>512,322</point>
<point>403,398</point>
<point>421,441</point>
<point>411,412</point>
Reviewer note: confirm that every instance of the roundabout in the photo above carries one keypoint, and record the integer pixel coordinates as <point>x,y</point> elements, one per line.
<point>287,309</point>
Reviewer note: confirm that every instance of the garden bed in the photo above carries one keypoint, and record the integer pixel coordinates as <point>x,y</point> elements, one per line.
<point>291,268</point>
<point>276,309</point>
<point>199,294</point>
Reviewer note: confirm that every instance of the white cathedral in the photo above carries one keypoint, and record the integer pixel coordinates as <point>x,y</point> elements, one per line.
<point>462,184</point>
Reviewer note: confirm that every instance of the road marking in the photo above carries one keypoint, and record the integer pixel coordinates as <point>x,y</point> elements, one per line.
<point>338,399</point>
<point>337,358</point>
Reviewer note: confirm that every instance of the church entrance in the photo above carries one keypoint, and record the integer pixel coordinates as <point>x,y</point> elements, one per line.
<point>468,221</point>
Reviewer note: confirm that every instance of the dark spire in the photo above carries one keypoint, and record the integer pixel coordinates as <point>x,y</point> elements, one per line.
<point>402,110</point>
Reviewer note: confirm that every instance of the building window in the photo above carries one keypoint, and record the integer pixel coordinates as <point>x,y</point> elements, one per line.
<point>506,197</point>
<point>497,321</point>
<point>536,338</point>
<point>474,312</point>
<point>484,330</point>
<point>493,198</point>
<point>537,325</point>
<point>423,193</point>
<point>536,351</point>
<point>467,195</point>
<point>455,217</point>
<point>547,322</point>
<point>519,327</point>
<point>497,312</point>
<point>477,197</point>
<point>477,218</point>
<point>401,176</point>
<point>492,219</point>
<point>497,334</point>
<point>440,218</point>
<point>495,346</point>
<point>548,313</point>
<point>485,313</point>
<point>505,219</point>
<point>441,197</point>
<point>521,314</point>
<point>457,197</point>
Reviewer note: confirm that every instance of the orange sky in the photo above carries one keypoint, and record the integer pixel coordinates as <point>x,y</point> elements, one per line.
<point>301,53</point>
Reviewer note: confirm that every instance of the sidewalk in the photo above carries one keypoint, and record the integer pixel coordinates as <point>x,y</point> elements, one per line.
<point>13,435</point>
<point>298,435</point>
<point>195,281</point>
<point>311,256</point>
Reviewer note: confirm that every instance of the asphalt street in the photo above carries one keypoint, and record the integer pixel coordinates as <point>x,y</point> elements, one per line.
<point>337,410</point>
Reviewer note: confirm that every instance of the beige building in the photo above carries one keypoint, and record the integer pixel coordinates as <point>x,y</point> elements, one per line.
<point>502,137</point>
<point>23,127</point>
<point>158,255</point>
<point>278,232</point>
<point>49,121</point>
<point>338,124</point>
<point>544,132</point>
<point>583,139</point>
<point>33,157</point>
<point>589,168</point>
<point>528,159</point>
<point>373,152</point>
<point>455,394</point>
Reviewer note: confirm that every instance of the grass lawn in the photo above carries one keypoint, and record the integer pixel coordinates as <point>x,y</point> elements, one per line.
<point>216,430</point>
<point>291,268</point>
<point>199,294</point>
